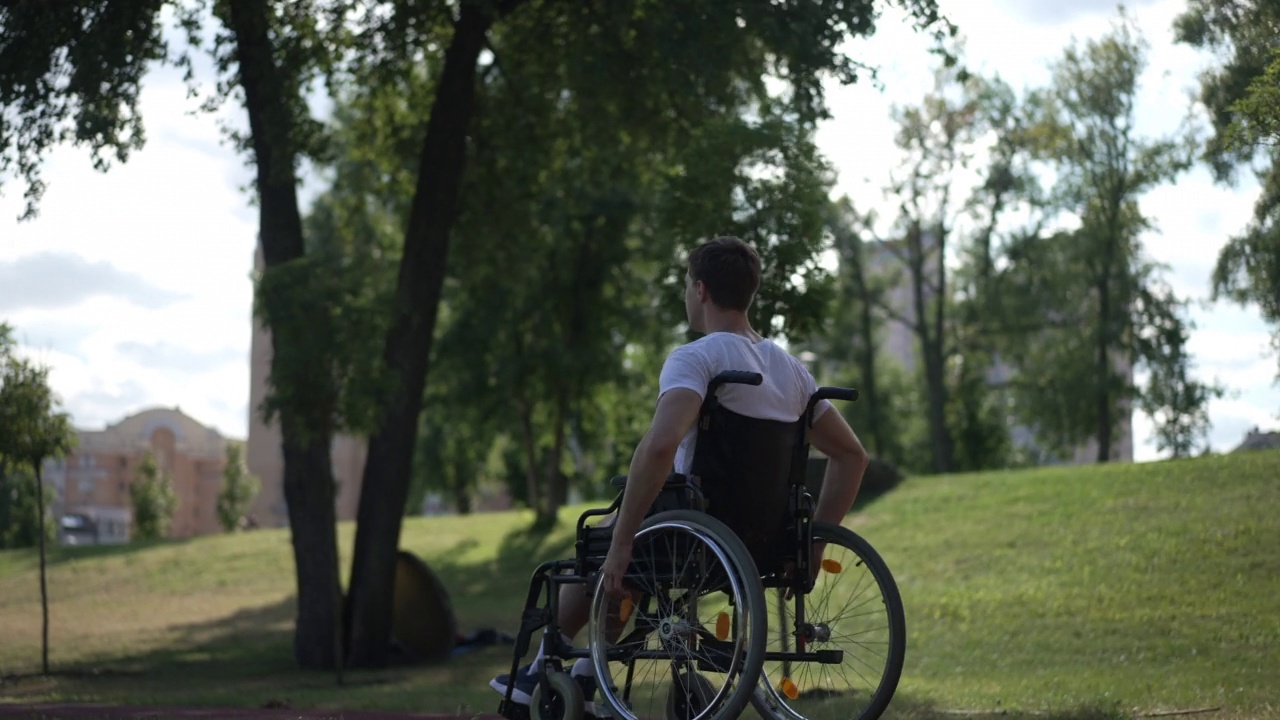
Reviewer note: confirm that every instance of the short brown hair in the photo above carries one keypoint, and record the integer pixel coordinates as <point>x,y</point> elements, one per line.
<point>729,268</point>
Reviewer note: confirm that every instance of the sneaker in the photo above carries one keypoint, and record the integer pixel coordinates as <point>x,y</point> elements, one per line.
<point>526,681</point>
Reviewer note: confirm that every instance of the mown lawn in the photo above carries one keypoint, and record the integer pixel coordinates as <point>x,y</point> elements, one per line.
<point>1073,592</point>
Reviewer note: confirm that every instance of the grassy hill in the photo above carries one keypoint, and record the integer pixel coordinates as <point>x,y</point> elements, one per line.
<point>1077,592</point>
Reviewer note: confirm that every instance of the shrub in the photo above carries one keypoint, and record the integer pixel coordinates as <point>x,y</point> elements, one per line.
<point>881,477</point>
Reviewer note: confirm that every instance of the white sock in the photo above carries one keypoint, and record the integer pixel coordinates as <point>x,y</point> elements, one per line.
<point>582,668</point>
<point>542,650</point>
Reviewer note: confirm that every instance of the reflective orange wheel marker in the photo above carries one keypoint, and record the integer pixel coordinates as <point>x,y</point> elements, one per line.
<point>831,566</point>
<point>790,689</point>
<point>722,626</point>
<point>624,611</point>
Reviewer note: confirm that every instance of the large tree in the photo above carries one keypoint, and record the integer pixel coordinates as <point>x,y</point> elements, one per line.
<point>942,215</point>
<point>1100,310</point>
<point>73,73</point>
<point>1242,95</point>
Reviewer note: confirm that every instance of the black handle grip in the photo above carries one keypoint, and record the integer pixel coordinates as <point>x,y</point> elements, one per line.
<point>836,393</point>
<point>827,393</point>
<point>737,377</point>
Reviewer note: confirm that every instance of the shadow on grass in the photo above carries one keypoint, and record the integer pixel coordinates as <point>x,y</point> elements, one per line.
<point>492,594</point>
<point>909,707</point>
<point>243,651</point>
<point>250,641</point>
<point>528,547</point>
<point>57,555</point>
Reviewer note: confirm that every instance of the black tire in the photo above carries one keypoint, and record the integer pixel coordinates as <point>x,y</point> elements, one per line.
<point>744,681</point>
<point>688,696</point>
<point>564,702</point>
<point>773,705</point>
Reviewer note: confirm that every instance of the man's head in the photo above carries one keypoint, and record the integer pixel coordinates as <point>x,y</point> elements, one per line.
<point>724,272</point>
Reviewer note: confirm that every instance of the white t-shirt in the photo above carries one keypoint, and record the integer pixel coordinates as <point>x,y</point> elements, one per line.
<point>782,396</point>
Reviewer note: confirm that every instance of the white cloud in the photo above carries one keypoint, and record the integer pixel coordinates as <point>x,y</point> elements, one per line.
<point>60,280</point>
<point>172,218</point>
<point>1050,13</point>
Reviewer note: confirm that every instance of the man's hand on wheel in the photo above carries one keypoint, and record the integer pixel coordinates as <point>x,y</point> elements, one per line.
<point>615,568</point>
<point>815,566</point>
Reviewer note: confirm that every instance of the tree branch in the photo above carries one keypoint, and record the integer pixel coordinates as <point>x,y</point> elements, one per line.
<point>892,247</point>
<point>896,316</point>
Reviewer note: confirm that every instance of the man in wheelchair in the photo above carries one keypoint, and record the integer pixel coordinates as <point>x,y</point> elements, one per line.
<point>761,393</point>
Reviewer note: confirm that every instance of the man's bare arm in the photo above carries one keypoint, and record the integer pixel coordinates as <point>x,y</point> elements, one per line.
<point>846,462</point>
<point>654,456</point>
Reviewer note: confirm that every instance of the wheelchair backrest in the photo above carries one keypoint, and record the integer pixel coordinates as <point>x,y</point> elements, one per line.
<point>746,467</point>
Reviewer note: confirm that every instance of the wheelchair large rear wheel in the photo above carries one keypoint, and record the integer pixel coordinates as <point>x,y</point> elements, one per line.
<point>854,607</point>
<point>693,624</point>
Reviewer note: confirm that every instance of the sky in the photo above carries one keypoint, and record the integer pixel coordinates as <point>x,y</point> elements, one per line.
<point>134,286</point>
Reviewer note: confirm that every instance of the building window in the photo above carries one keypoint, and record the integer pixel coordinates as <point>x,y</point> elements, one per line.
<point>85,486</point>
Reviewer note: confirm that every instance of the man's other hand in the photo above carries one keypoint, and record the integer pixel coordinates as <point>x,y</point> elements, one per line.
<point>615,568</point>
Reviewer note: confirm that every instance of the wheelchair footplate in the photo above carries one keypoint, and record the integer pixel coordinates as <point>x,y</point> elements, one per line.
<point>513,710</point>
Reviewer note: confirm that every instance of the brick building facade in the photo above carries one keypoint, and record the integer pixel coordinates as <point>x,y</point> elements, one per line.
<point>93,482</point>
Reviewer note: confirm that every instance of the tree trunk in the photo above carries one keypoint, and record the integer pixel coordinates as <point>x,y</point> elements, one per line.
<point>549,513</point>
<point>940,353</point>
<point>309,493</point>
<point>1102,359</point>
<point>582,288</point>
<point>44,587</point>
<point>308,481</point>
<point>5,495</point>
<point>935,387</point>
<point>461,487</point>
<point>530,454</point>
<point>867,360</point>
<point>408,349</point>
<point>1102,364</point>
<point>931,356</point>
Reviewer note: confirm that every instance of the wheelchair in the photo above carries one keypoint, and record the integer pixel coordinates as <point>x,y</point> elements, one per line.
<point>694,638</point>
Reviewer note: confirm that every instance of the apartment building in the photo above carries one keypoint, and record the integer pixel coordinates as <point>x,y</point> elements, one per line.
<point>93,504</point>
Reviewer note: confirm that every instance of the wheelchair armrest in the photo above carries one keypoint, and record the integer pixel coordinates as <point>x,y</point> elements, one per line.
<point>673,480</point>
<point>680,492</point>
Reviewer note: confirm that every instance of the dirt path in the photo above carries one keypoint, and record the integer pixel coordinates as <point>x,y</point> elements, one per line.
<point>111,712</point>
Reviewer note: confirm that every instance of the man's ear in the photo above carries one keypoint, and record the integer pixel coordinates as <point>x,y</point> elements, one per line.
<point>701,288</point>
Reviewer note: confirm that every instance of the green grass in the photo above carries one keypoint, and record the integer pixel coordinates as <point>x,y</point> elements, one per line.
<point>1073,592</point>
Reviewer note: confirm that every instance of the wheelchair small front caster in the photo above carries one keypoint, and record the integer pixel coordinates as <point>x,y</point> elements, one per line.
<point>563,702</point>
<point>690,695</point>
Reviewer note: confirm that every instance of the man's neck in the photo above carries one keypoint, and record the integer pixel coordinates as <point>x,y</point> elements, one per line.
<point>735,323</point>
